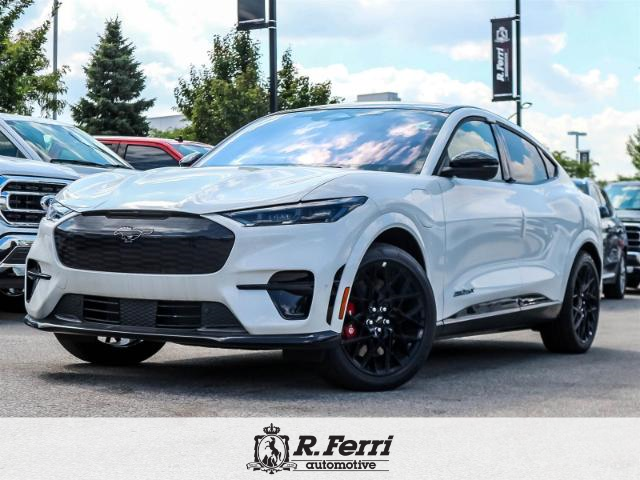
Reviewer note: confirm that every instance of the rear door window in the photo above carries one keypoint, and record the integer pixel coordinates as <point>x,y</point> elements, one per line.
<point>525,163</point>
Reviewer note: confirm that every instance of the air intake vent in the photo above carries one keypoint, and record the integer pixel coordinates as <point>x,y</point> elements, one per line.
<point>22,200</point>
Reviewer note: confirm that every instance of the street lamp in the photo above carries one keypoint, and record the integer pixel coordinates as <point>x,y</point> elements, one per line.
<point>577,135</point>
<point>524,106</point>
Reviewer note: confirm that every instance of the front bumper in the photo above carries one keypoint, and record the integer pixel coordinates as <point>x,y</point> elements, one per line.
<point>257,255</point>
<point>201,337</point>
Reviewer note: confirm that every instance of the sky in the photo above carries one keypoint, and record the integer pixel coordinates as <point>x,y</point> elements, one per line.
<point>581,58</point>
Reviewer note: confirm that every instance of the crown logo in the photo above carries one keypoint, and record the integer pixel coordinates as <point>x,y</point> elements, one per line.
<point>271,430</point>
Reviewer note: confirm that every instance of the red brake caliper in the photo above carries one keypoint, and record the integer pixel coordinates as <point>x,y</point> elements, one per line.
<point>349,330</point>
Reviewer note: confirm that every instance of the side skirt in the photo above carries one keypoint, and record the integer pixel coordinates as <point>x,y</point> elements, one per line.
<point>517,318</point>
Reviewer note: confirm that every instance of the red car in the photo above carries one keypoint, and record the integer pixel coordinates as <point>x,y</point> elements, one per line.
<point>146,153</point>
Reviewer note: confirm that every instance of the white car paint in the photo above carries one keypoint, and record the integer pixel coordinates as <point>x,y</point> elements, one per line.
<point>493,240</point>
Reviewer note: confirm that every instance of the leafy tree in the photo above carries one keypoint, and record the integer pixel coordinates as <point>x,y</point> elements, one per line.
<point>633,149</point>
<point>186,133</point>
<point>297,91</point>
<point>573,167</point>
<point>115,82</point>
<point>232,91</point>
<point>220,98</point>
<point>23,60</point>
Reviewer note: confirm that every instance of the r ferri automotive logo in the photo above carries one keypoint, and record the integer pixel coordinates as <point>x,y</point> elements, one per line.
<point>336,453</point>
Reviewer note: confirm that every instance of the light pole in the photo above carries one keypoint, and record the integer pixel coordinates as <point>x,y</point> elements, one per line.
<point>518,21</point>
<point>56,5</point>
<point>273,58</point>
<point>577,135</point>
<point>524,106</point>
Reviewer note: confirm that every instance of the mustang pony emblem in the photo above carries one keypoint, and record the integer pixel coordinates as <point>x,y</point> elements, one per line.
<point>130,234</point>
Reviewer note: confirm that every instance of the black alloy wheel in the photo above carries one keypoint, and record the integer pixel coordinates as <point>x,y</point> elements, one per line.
<point>389,325</point>
<point>575,328</point>
<point>586,303</point>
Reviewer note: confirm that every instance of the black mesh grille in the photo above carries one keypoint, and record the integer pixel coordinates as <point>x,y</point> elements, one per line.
<point>167,314</point>
<point>24,200</point>
<point>152,243</point>
<point>633,234</point>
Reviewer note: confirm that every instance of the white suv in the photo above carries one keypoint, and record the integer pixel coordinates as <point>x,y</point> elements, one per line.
<point>353,234</point>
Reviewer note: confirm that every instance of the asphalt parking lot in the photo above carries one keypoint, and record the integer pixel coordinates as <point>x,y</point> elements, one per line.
<point>496,375</point>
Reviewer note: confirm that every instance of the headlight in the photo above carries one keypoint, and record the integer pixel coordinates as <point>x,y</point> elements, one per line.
<point>321,211</point>
<point>56,211</point>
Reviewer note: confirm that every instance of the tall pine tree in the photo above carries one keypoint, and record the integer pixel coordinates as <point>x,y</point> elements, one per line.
<point>23,62</point>
<point>633,149</point>
<point>115,81</point>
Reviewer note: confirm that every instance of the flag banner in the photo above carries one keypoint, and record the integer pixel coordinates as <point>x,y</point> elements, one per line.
<point>251,14</point>
<point>502,63</point>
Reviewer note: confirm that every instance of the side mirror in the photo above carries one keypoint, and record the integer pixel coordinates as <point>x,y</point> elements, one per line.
<point>605,212</point>
<point>190,159</point>
<point>472,164</point>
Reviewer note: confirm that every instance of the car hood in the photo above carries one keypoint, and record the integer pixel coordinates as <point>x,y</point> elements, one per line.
<point>195,190</point>
<point>10,166</point>
<point>628,215</point>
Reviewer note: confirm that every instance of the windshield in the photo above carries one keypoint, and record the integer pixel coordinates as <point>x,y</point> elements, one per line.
<point>624,197</point>
<point>187,148</point>
<point>393,140</point>
<point>65,144</point>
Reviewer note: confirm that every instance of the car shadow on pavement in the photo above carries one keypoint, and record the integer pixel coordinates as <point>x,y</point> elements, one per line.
<point>267,374</point>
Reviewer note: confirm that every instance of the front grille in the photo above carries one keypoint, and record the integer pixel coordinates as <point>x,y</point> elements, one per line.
<point>18,256</point>
<point>23,198</point>
<point>162,314</point>
<point>633,234</point>
<point>143,242</point>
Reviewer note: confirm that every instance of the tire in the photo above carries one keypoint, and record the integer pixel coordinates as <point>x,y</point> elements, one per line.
<point>575,328</point>
<point>118,352</point>
<point>12,301</point>
<point>616,289</point>
<point>390,325</point>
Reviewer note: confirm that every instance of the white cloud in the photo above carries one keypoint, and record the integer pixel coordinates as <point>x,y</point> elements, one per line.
<point>637,78</point>
<point>591,82</point>
<point>607,130</point>
<point>161,75</point>
<point>466,51</point>
<point>481,51</point>
<point>75,62</point>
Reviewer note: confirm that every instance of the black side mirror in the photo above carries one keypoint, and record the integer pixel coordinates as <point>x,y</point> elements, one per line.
<point>605,212</point>
<point>190,159</point>
<point>472,164</point>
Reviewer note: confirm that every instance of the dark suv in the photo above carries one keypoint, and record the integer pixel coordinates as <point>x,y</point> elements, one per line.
<point>625,197</point>
<point>614,236</point>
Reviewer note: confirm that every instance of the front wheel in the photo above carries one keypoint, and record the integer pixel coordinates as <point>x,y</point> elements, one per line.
<point>575,328</point>
<point>389,326</point>
<point>109,351</point>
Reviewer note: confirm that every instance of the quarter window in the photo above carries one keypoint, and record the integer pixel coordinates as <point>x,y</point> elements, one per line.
<point>525,162</point>
<point>473,135</point>
<point>143,157</point>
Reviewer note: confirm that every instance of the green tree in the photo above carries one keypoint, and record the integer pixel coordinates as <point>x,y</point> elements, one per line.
<point>232,91</point>
<point>573,167</point>
<point>23,61</point>
<point>633,149</point>
<point>297,91</point>
<point>115,81</point>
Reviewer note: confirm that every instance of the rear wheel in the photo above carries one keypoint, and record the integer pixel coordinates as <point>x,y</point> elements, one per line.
<point>111,351</point>
<point>575,328</point>
<point>389,326</point>
<point>616,289</point>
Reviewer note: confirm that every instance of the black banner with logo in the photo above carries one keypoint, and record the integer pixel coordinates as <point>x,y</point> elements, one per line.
<point>502,45</point>
<point>251,14</point>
